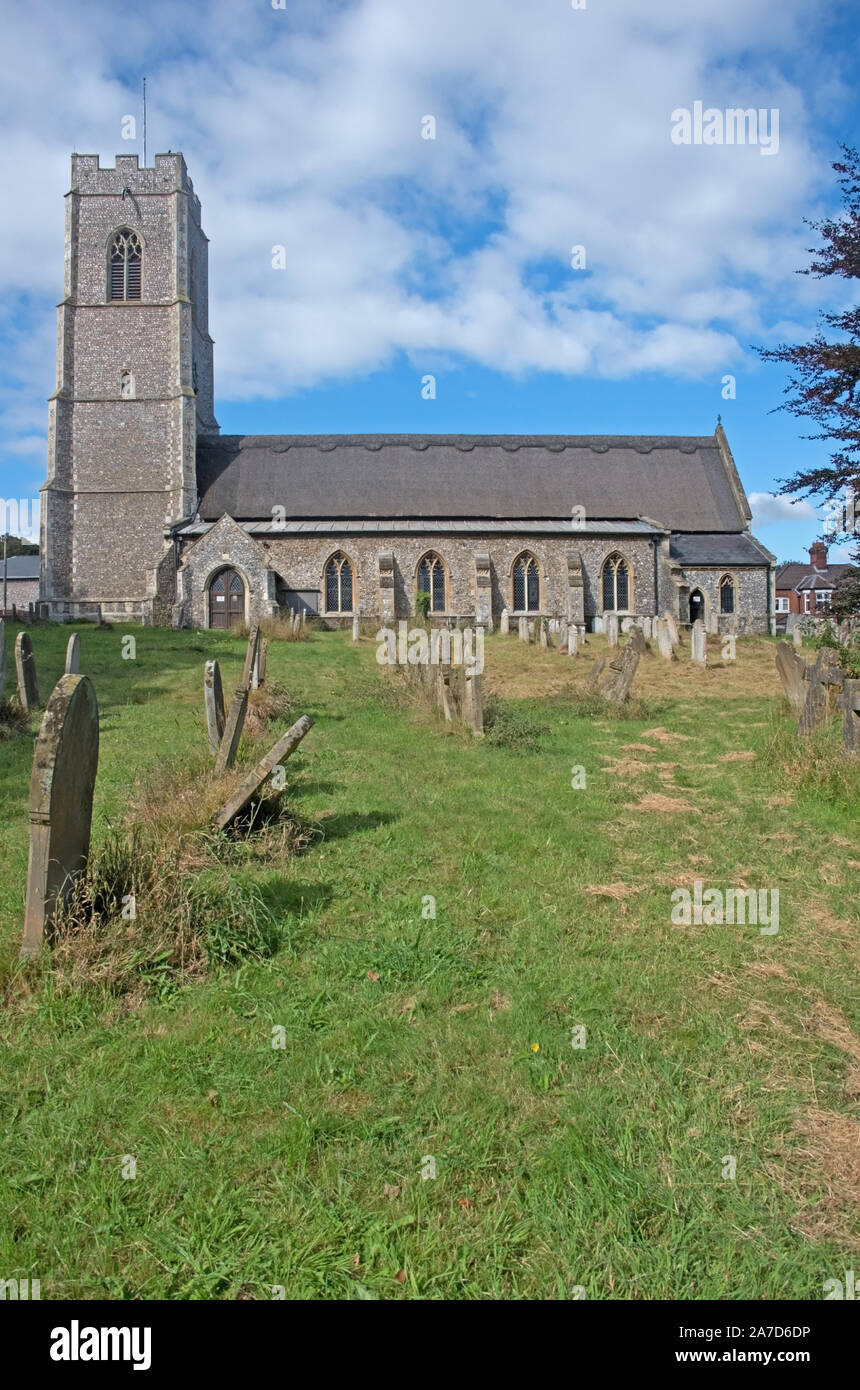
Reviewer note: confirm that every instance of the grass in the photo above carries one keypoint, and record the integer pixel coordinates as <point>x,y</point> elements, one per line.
<point>409,1036</point>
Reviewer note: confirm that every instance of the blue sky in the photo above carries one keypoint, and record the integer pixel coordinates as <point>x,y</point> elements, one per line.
<point>301,127</point>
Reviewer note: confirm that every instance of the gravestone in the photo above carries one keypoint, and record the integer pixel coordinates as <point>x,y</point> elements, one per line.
<point>713,624</point>
<point>636,640</point>
<point>474,703</point>
<point>73,655</point>
<point>2,658</point>
<point>304,618</point>
<point>597,623</point>
<point>572,640</point>
<point>626,624</point>
<point>594,674</point>
<point>283,749</point>
<point>213,693</point>
<point>797,636</point>
<point>849,703</point>
<point>25,665</point>
<point>825,679</point>
<point>251,657</point>
<point>612,629</point>
<point>647,629</point>
<point>791,669</point>
<point>523,627</point>
<point>262,660</point>
<point>664,639</point>
<point>443,691</point>
<point>232,732</point>
<point>356,633</point>
<point>699,643</point>
<point>672,625</point>
<point>619,676</point>
<point>544,639</point>
<point>505,622</point>
<point>65,761</point>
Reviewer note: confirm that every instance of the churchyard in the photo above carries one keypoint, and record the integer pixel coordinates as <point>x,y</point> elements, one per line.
<point>427,1021</point>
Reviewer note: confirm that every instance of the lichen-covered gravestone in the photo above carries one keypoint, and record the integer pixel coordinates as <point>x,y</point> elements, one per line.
<point>791,669</point>
<point>619,676</point>
<point>73,655</point>
<point>285,746</point>
<point>213,693</point>
<point>232,732</point>
<point>28,688</point>
<point>262,659</point>
<point>699,643</point>
<point>63,780</point>
<point>251,655</point>
<point>637,640</point>
<point>849,703</point>
<point>594,674</point>
<point>474,703</point>
<point>825,680</point>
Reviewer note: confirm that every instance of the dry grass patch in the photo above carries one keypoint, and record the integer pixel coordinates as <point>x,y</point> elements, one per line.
<point>657,804</point>
<point>832,1154</point>
<point>744,756</point>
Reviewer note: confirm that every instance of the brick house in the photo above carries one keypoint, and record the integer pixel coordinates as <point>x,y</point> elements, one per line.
<point>149,512</point>
<point>807,588</point>
<point>22,582</point>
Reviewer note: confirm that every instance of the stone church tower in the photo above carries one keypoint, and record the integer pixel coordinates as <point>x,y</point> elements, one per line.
<point>134,389</point>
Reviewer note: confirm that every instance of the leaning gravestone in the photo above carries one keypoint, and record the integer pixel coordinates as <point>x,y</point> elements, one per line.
<point>63,780</point>
<point>849,703</point>
<point>232,732</point>
<point>213,693</point>
<point>825,679</point>
<point>699,643</point>
<point>28,689</point>
<point>612,630</point>
<point>73,655</point>
<point>672,626</point>
<point>285,746</point>
<point>791,669</point>
<point>619,677</point>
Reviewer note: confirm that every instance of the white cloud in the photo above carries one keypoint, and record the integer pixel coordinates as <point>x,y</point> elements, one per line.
<point>769,509</point>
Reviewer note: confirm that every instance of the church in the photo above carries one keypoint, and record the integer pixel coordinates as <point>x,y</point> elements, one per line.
<point>150,514</point>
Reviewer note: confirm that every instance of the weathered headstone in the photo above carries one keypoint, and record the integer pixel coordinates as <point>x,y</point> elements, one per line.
<point>62,783</point>
<point>232,732</point>
<point>523,628</point>
<point>647,629</point>
<point>474,703</point>
<point>356,631</point>
<point>616,684</point>
<point>664,639</point>
<point>262,660</point>
<point>699,643</point>
<point>283,749</point>
<point>594,674</point>
<point>825,680</point>
<point>797,636</point>
<point>251,657</point>
<point>304,618</point>
<point>597,622</point>
<point>444,695</point>
<point>625,625</point>
<point>543,638</point>
<point>213,693</point>
<point>572,640</point>
<point>849,703</point>
<point>791,669</point>
<point>505,622</point>
<point>73,655</point>
<point>612,629</point>
<point>2,657</point>
<point>672,626</point>
<point>713,624</point>
<point>637,640</point>
<point>25,665</point>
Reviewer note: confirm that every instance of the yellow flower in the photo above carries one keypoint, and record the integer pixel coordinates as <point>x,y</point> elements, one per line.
<point>535,1047</point>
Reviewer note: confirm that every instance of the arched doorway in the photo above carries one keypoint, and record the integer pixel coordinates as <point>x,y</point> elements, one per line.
<point>697,605</point>
<point>227,600</point>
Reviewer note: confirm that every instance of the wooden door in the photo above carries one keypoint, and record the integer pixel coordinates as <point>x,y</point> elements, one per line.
<point>227,600</point>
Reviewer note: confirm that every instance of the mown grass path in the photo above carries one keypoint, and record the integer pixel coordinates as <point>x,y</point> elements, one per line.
<point>411,1038</point>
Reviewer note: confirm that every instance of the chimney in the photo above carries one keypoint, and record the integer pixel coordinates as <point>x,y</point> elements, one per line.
<point>818,555</point>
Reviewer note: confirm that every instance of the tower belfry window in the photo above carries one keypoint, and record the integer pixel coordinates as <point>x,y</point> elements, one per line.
<point>126,262</point>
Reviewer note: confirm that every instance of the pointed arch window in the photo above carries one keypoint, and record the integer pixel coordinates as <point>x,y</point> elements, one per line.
<point>526,584</point>
<point>616,584</point>
<point>727,594</point>
<point>339,584</point>
<point>431,580</point>
<point>126,264</point>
